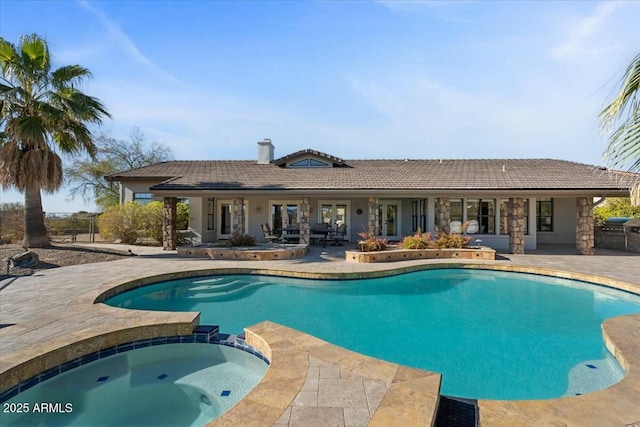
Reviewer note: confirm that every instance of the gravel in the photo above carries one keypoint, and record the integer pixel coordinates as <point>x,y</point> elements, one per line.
<point>56,256</point>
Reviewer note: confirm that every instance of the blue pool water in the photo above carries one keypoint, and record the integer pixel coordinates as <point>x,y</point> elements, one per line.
<point>165,385</point>
<point>492,335</point>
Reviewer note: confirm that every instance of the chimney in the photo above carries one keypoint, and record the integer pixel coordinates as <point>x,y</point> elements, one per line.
<point>265,152</point>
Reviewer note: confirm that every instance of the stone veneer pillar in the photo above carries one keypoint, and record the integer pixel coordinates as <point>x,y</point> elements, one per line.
<point>169,214</point>
<point>305,215</point>
<point>373,222</point>
<point>237,216</point>
<point>443,214</point>
<point>516,225</point>
<point>585,226</point>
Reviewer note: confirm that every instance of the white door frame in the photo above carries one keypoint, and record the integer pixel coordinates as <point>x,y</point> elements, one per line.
<point>383,219</point>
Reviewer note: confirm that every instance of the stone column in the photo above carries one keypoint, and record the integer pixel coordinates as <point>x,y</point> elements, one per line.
<point>169,214</point>
<point>373,222</point>
<point>516,225</point>
<point>585,226</point>
<point>305,215</point>
<point>443,214</point>
<point>237,216</point>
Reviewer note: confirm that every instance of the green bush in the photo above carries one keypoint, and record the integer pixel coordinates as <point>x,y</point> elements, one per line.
<point>615,207</point>
<point>132,221</point>
<point>121,223</point>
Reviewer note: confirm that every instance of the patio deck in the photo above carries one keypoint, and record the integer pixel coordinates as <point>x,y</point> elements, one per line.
<point>52,310</point>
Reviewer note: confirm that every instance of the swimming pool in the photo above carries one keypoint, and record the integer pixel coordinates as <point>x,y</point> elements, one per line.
<point>186,384</point>
<point>493,335</point>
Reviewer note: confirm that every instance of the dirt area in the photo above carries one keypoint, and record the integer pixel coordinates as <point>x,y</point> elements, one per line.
<point>59,255</point>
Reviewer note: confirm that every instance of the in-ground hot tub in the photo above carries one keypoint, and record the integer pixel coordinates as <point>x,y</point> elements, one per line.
<point>185,384</point>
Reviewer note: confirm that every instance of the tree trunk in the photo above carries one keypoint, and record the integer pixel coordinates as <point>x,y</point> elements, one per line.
<point>35,233</point>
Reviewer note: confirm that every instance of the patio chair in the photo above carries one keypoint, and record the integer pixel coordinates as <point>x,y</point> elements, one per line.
<point>473,226</point>
<point>268,235</point>
<point>338,236</point>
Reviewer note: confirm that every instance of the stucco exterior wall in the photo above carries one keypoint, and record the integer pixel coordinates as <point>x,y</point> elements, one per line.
<point>127,190</point>
<point>564,223</point>
<point>259,211</point>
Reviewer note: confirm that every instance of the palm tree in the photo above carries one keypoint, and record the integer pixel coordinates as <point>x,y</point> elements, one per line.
<point>41,113</point>
<point>622,119</point>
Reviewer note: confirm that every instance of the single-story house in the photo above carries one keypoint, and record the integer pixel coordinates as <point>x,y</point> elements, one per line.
<point>507,204</point>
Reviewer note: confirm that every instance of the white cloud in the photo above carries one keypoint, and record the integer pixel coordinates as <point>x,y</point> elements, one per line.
<point>584,37</point>
<point>126,45</point>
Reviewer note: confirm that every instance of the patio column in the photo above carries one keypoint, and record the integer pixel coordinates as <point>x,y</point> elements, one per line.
<point>373,221</point>
<point>516,225</point>
<point>443,214</point>
<point>305,215</point>
<point>585,226</point>
<point>237,216</point>
<point>169,214</point>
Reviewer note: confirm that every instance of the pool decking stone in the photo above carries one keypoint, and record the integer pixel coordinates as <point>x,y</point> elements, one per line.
<point>54,319</point>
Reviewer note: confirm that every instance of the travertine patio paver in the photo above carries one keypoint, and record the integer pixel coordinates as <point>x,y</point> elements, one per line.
<point>52,310</point>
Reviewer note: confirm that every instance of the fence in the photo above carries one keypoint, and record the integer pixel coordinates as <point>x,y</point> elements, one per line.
<point>72,227</point>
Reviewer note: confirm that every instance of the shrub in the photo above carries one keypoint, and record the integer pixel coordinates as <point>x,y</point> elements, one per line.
<point>370,242</point>
<point>615,207</point>
<point>11,222</point>
<point>151,221</point>
<point>132,221</point>
<point>121,223</point>
<point>419,240</point>
<point>452,241</point>
<point>237,239</point>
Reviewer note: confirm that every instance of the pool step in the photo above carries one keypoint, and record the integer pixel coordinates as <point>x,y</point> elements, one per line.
<point>223,289</point>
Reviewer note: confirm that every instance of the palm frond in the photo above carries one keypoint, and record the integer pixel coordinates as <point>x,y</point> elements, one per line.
<point>628,97</point>
<point>70,74</point>
<point>35,55</point>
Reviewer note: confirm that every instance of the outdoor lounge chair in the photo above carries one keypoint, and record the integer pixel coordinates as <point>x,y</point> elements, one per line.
<point>268,235</point>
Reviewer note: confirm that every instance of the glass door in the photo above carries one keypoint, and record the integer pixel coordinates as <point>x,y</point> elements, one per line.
<point>335,213</point>
<point>389,220</point>
<point>284,214</point>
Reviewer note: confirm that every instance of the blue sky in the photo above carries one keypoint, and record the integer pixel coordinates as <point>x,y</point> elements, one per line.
<point>361,79</point>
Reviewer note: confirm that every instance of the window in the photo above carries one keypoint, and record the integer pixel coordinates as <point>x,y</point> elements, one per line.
<point>419,215</point>
<point>455,210</point>
<point>313,163</point>
<point>210,213</point>
<point>544,214</point>
<point>504,216</point>
<point>482,211</point>
<point>142,198</point>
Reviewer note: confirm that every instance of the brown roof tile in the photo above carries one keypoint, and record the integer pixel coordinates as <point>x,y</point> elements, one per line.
<point>482,174</point>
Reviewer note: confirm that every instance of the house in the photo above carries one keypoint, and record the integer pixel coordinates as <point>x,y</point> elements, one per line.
<point>508,204</point>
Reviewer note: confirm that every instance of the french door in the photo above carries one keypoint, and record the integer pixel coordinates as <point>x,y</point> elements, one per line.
<point>335,213</point>
<point>389,219</point>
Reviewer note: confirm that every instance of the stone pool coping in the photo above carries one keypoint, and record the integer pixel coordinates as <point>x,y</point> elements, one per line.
<point>85,327</point>
<point>264,253</point>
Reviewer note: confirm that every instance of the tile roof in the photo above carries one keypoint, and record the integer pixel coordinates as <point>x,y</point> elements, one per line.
<point>479,174</point>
